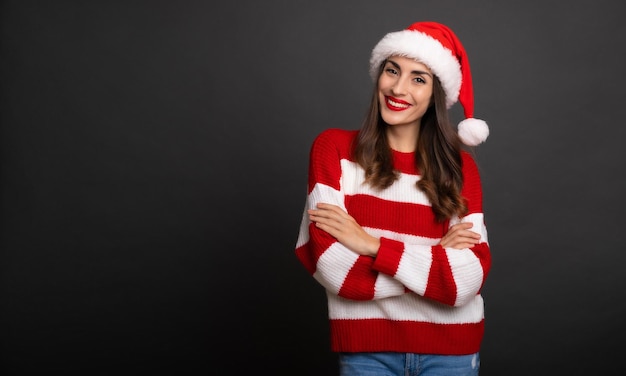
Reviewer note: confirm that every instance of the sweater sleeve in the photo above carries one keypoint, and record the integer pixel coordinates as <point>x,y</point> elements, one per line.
<point>450,276</point>
<point>340,270</point>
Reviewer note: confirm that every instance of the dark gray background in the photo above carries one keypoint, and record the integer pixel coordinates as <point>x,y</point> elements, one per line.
<point>153,166</point>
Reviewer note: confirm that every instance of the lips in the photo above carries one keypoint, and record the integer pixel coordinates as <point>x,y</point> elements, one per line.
<point>395,104</point>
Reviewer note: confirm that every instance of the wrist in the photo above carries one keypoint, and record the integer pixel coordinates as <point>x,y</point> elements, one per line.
<point>374,245</point>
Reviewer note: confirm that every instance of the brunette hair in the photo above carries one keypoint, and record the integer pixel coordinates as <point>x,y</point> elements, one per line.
<point>437,156</point>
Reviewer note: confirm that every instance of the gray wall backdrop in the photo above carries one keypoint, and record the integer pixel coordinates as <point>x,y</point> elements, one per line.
<point>153,170</point>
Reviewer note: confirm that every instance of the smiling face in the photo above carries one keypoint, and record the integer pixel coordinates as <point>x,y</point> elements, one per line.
<point>405,90</point>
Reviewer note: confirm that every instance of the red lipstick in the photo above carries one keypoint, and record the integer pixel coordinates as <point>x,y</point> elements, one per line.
<point>395,104</point>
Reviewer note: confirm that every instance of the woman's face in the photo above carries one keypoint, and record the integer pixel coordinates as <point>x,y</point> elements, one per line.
<point>405,90</point>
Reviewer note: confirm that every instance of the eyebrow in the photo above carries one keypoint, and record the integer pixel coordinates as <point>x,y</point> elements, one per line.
<point>418,72</point>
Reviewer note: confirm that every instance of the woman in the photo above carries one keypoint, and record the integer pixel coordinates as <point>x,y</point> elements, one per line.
<point>393,228</point>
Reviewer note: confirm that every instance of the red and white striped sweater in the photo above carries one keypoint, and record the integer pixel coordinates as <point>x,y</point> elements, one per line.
<point>414,296</point>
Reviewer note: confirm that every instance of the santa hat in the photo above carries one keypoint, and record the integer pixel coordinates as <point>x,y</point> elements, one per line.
<point>435,45</point>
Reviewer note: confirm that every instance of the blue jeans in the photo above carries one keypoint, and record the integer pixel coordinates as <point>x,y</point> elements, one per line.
<point>405,364</point>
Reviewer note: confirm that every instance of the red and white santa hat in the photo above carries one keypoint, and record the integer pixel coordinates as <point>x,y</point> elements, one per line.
<point>436,46</point>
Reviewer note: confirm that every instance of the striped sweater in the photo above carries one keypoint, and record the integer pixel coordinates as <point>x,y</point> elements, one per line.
<point>414,296</point>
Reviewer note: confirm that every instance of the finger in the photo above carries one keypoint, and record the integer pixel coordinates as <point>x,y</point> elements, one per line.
<point>461,246</point>
<point>461,243</point>
<point>321,213</point>
<point>469,237</point>
<point>457,239</point>
<point>461,230</point>
<point>335,213</point>
<point>457,229</point>
<point>327,218</point>
<point>332,208</point>
<point>469,234</point>
<point>461,226</point>
<point>325,206</point>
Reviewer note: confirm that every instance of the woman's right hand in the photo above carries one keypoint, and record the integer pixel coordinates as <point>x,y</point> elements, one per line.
<point>459,236</point>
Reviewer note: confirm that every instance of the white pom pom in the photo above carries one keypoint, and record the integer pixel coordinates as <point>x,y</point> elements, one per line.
<point>473,131</point>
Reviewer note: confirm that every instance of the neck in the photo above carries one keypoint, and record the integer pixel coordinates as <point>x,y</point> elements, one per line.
<point>403,138</point>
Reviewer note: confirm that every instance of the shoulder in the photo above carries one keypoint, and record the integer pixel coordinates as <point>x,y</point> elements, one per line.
<point>335,138</point>
<point>472,186</point>
<point>336,135</point>
<point>468,160</point>
<point>470,168</point>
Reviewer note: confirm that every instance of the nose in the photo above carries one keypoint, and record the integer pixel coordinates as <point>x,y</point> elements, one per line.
<point>399,87</point>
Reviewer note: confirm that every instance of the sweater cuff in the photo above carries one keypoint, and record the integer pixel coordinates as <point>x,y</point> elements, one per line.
<point>388,257</point>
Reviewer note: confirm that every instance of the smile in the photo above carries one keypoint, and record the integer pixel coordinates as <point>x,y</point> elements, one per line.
<point>395,104</point>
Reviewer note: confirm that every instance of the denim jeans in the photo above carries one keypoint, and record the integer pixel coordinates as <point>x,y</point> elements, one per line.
<point>405,364</point>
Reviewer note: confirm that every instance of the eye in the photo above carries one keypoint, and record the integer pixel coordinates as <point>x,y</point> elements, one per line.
<point>391,70</point>
<point>419,80</point>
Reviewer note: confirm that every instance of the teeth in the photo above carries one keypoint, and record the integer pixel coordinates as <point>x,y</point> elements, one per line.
<point>396,104</point>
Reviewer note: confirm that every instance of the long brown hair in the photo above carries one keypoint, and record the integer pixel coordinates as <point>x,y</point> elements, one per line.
<point>437,157</point>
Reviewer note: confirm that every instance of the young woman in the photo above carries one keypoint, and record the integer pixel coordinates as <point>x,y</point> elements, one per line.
<point>393,227</point>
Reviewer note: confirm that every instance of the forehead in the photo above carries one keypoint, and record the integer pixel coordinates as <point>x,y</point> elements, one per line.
<point>407,63</point>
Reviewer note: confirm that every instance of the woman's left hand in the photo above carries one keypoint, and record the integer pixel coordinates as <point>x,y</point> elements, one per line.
<point>339,224</point>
